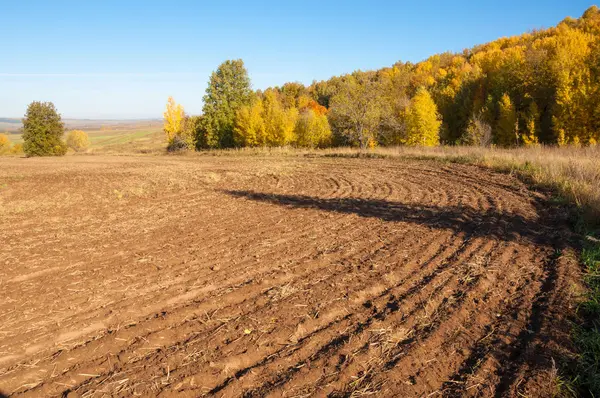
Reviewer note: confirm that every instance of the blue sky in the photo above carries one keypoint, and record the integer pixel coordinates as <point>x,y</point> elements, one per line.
<point>122,59</point>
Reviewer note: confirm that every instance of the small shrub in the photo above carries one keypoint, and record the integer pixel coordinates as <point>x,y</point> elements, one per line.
<point>177,144</point>
<point>478,133</point>
<point>4,144</point>
<point>17,149</point>
<point>78,140</point>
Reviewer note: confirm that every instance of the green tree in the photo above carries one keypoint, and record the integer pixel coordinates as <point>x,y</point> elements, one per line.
<point>356,110</point>
<point>422,120</point>
<point>192,126</point>
<point>228,90</point>
<point>43,130</point>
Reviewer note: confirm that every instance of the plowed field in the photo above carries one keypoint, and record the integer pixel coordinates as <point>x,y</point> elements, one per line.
<point>296,277</point>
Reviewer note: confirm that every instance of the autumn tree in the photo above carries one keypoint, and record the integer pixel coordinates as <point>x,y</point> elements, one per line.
<point>538,87</point>
<point>507,132</point>
<point>279,122</point>
<point>5,144</point>
<point>323,91</point>
<point>356,110</point>
<point>291,92</point>
<point>422,121</point>
<point>43,130</point>
<point>573,76</point>
<point>173,123</point>
<point>313,130</point>
<point>228,91</point>
<point>78,140</point>
<point>17,149</point>
<point>306,103</point>
<point>192,128</point>
<point>532,126</point>
<point>477,133</point>
<point>249,127</point>
<point>266,122</point>
<point>394,95</point>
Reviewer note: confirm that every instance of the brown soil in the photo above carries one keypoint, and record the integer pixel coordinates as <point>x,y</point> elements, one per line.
<point>288,277</point>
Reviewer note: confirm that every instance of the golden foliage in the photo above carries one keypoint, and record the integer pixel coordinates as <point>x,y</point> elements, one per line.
<point>173,120</point>
<point>312,130</point>
<point>279,122</point>
<point>506,128</point>
<point>78,140</point>
<point>267,122</point>
<point>17,149</point>
<point>249,127</point>
<point>422,121</point>
<point>5,144</point>
<point>539,87</point>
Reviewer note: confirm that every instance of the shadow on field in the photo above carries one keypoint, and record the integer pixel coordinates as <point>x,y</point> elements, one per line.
<point>489,223</point>
<point>546,230</point>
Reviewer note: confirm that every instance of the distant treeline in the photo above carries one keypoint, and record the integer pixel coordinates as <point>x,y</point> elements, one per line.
<point>539,87</point>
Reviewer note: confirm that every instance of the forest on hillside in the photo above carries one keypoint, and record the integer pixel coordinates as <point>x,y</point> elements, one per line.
<point>542,87</point>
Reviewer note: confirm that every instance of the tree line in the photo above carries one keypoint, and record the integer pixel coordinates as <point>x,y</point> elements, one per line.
<point>540,87</point>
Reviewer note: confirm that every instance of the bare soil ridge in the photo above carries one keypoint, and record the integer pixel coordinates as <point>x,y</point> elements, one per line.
<point>278,276</point>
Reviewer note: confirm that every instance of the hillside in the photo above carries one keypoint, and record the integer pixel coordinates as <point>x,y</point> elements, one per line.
<point>539,87</point>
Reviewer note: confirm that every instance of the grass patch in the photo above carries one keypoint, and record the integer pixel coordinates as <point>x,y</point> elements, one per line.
<point>587,335</point>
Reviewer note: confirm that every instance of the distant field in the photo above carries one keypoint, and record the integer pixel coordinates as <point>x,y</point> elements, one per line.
<point>132,138</point>
<point>106,135</point>
<point>9,125</point>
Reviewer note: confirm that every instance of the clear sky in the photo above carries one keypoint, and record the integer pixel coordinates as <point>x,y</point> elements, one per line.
<point>122,59</point>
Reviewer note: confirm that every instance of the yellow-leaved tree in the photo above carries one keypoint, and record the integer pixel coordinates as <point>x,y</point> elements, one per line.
<point>4,144</point>
<point>249,129</point>
<point>78,140</point>
<point>506,133</point>
<point>574,85</point>
<point>312,130</point>
<point>532,126</point>
<point>422,120</point>
<point>173,121</point>
<point>279,122</point>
